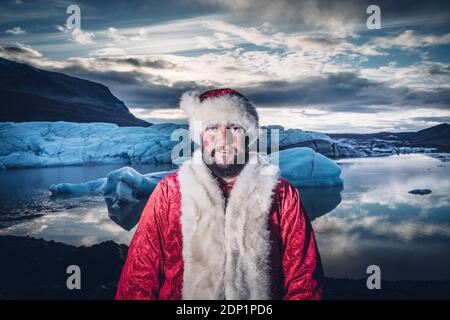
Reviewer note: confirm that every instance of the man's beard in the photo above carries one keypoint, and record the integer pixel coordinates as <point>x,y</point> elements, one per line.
<point>227,170</point>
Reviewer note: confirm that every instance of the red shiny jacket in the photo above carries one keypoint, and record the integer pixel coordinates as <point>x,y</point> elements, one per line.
<point>154,266</point>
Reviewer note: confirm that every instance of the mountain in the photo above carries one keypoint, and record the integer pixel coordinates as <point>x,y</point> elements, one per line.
<point>439,134</point>
<point>32,94</point>
<point>434,137</point>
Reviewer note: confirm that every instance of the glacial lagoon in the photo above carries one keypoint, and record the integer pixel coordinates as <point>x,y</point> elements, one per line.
<point>372,219</point>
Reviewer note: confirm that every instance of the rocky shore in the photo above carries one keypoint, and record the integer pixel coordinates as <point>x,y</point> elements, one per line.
<point>36,269</point>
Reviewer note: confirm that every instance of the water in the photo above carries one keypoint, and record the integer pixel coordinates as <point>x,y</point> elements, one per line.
<point>372,220</point>
<point>379,222</point>
<point>27,208</point>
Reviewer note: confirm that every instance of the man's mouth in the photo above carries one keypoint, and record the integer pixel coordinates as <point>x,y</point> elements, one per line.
<point>225,154</point>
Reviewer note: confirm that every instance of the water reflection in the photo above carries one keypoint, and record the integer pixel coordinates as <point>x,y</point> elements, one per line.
<point>379,222</point>
<point>25,192</point>
<point>319,201</point>
<point>77,226</point>
<point>126,214</point>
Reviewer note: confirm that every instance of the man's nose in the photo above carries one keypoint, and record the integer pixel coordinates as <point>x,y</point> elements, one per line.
<point>226,136</point>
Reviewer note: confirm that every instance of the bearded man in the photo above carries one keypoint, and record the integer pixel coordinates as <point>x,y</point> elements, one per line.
<point>225,225</point>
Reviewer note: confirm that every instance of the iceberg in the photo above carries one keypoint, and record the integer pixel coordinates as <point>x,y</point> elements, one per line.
<point>126,191</point>
<point>317,141</point>
<point>304,167</point>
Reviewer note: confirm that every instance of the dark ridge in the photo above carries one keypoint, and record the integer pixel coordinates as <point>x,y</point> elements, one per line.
<point>32,94</point>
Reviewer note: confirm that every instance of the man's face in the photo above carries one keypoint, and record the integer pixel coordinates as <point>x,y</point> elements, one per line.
<point>224,149</point>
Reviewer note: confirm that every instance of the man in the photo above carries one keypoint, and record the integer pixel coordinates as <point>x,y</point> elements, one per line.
<point>220,228</point>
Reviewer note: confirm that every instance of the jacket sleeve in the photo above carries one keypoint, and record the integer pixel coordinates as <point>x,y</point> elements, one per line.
<point>143,270</point>
<point>302,269</point>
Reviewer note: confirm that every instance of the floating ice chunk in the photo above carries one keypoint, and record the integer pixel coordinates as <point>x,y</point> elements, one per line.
<point>304,167</point>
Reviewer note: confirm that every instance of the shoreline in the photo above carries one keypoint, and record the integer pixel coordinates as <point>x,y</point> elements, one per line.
<point>36,269</point>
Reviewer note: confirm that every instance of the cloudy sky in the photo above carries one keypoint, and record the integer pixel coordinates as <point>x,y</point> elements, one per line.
<point>312,65</point>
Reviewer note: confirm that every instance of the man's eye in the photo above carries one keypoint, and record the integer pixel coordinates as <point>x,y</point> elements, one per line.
<point>237,129</point>
<point>211,129</point>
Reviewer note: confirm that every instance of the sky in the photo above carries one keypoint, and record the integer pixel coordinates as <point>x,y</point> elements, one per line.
<point>313,65</point>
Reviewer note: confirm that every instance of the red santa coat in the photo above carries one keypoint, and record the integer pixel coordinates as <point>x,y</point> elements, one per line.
<point>194,243</point>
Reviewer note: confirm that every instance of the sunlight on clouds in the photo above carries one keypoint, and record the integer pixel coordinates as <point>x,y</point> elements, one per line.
<point>410,39</point>
<point>78,35</point>
<point>251,68</point>
<point>312,119</point>
<point>15,31</point>
<point>322,72</point>
<point>422,75</point>
<point>318,120</point>
<point>160,115</point>
<point>108,52</point>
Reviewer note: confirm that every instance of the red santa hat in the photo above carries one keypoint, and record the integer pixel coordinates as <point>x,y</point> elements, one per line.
<point>219,106</point>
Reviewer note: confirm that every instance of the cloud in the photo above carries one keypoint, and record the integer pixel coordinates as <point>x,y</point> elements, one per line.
<point>409,39</point>
<point>334,16</point>
<point>205,43</point>
<point>158,81</point>
<point>433,119</point>
<point>346,92</point>
<point>78,35</point>
<point>341,92</point>
<point>82,37</point>
<point>115,35</point>
<point>15,31</point>
<point>437,70</point>
<point>313,55</point>
<point>137,89</point>
<point>320,43</point>
<point>340,17</point>
<point>251,35</point>
<point>148,62</point>
<point>19,52</point>
<point>423,75</point>
<point>108,51</point>
<point>123,38</point>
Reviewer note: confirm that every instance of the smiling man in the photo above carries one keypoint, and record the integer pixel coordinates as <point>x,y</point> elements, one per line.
<point>225,225</point>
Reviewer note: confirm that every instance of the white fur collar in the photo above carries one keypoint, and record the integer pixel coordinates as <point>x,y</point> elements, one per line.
<point>226,254</point>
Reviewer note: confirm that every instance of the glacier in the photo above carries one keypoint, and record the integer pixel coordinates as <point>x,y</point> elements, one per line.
<point>60,143</point>
<point>44,144</point>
